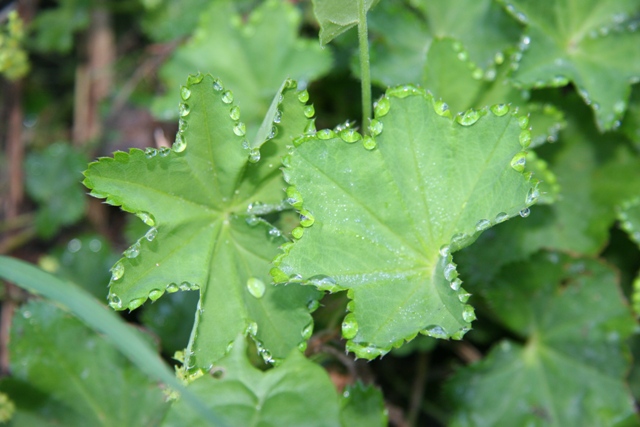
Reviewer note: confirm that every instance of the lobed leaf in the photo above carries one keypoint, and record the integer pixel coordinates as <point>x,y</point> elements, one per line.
<point>403,35</point>
<point>382,222</point>
<point>254,56</point>
<point>296,393</point>
<point>592,43</point>
<point>77,369</point>
<point>197,198</point>
<point>571,368</point>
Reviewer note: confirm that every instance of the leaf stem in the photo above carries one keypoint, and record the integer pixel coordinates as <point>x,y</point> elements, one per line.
<point>365,75</point>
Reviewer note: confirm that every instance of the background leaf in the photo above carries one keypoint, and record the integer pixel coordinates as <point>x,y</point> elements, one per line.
<point>571,367</point>
<point>253,57</point>
<point>298,392</point>
<point>591,43</point>
<point>386,220</point>
<point>53,180</point>
<point>64,360</point>
<point>362,406</point>
<point>337,16</point>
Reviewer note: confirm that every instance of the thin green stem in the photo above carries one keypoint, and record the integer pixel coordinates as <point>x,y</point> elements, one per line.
<point>365,74</point>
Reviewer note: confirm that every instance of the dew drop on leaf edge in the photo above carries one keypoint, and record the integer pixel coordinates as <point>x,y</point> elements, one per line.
<point>349,326</point>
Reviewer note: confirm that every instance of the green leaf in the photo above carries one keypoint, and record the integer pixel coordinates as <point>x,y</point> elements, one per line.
<point>629,217</point>
<point>296,393</point>
<point>60,357</point>
<point>387,217</point>
<point>362,406</point>
<point>196,199</point>
<point>53,180</point>
<point>101,320</point>
<point>253,57</point>
<point>402,36</point>
<point>481,26</point>
<point>450,75</point>
<point>571,368</point>
<point>337,16</point>
<point>595,173</point>
<point>592,43</point>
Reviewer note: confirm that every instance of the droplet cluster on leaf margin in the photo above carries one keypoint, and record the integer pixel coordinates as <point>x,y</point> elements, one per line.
<point>445,264</point>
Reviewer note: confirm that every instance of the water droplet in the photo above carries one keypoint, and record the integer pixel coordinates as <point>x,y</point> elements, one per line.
<point>501,217</point>
<point>523,121</point>
<point>468,314</point>
<point>151,234</point>
<point>185,93</point>
<point>463,297</point>
<point>184,109</point>
<point>375,127</point>
<point>227,97</point>
<point>302,346</point>
<point>499,58</point>
<point>460,334</point>
<point>172,288</point>
<point>477,73</point>
<point>369,143</point>
<point>180,144</point>
<point>463,55</point>
<point>114,301</point>
<point>277,118</point>
<point>306,218</point>
<point>252,329</point>
<point>154,294</point>
<point>133,250</point>
<point>313,305</point>
<point>382,106</point>
<point>519,161</point>
<point>240,129</point>
<point>135,303</point>
<point>525,138</point>
<point>450,272</point>
<point>303,96</point>
<point>234,113</point>
<point>254,155</point>
<point>252,220</point>
<point>195,79</point>
<point>74,245</point>
<point>164,151</point>
<point>350,135</point>
<point>456,284</point>
<point>435,331</point>
<point>150,152</point>
<point>310,128</point>
<point>256,287</point>
<point>297,232</point>
<point>619,107</point>
<point>500,109</point>
<point>274,133</point>
<point>323,283</point>
<point>445,250</point>
<point>525,212</point>
<point>349,326</point>
<point>182,125</point>
<point>217,85</point>
<point>468,118</point>
<point>532,196</point>
<point>185,286</point>
<point>483,224</point>
<point>294,198</point>
<point>309,111</point>
<point>326,134</point>
<point>117,271</point>
<point>307,331</point>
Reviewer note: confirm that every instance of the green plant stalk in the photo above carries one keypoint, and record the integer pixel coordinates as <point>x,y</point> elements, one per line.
<point>95,315</point>
<point>365,72</point>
